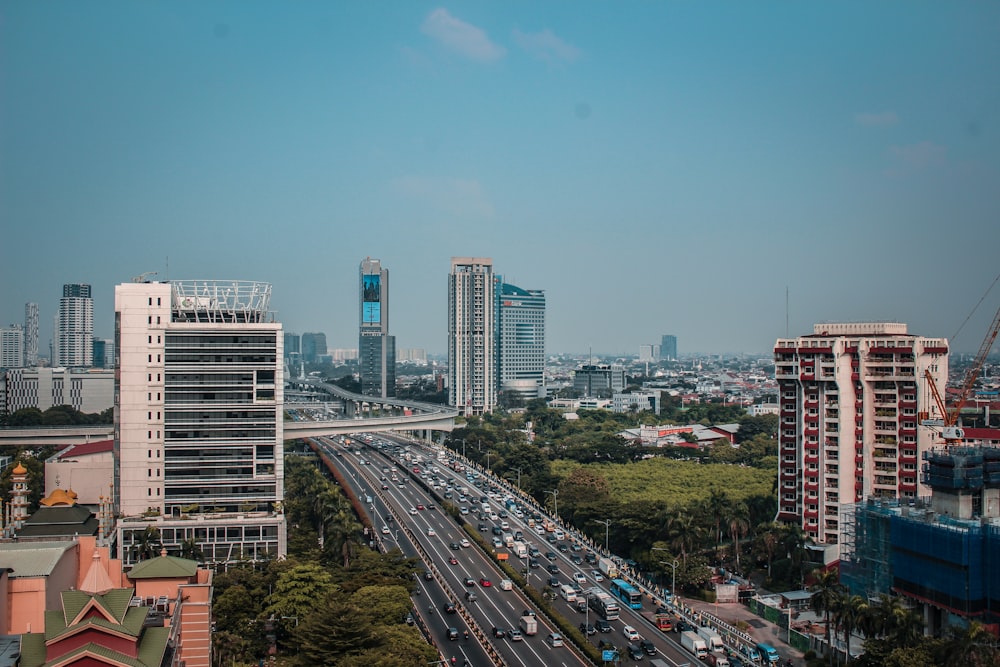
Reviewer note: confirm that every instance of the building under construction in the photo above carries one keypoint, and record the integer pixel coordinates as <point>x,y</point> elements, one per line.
<point>942,553</point>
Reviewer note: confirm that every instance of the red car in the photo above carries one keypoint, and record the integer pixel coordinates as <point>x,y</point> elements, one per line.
<point>420,507</point>
<point>485,583</point>
<point>453,560</point>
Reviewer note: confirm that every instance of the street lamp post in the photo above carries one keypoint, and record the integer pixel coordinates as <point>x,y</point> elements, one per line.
<point>555,498</point>
<point>673,580</point>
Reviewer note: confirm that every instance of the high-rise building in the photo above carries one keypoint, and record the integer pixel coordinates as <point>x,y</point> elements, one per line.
<point>376,348</point>
<point>75,332</point>
<point>668,348</point>
<point>520,341</point>
<point>599,381</point>
<point>852,396</point>
<point>30,334</point>
<point>104,353</point>
<point>313,346</point>
<point>12,346</point>
<point>472,386</point>
<point>198,418</point>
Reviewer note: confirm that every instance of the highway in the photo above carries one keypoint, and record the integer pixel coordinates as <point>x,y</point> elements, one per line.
<point>494,607</point>
<point>433,532</point>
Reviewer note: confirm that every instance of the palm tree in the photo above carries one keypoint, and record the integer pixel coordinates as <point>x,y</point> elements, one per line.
<point>768,538</point>
<point>147,544</point>
<point>191,550</point>
<point>972,646</point>
<point>851,613</point>
<point>717,506</point>
<point>738,527</point>
<point>827,592</point>
<point>683,533</point>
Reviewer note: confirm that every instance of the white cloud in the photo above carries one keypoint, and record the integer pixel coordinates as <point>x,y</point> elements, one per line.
<point>881,119</point>
<point>920,155</point>
<point>545,45</point>
<point>460,36</point>
<point>463,198</point>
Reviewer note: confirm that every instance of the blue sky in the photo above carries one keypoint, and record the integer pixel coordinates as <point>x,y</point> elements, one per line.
<point>656,167</point>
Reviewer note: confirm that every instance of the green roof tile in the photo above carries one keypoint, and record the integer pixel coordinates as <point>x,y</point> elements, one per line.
<point>164,567</point>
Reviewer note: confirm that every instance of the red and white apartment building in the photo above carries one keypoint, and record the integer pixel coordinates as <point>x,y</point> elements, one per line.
<point>852,397</point>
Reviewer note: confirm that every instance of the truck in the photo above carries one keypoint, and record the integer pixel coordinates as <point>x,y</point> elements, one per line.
<point>529,625</point>
<point>608,567</point>
<point>508,540</point>
<point>768,654</point>
<point>717,660</point>
<point>712,638</point>
<point>521,549</point>
<point>695,644</point>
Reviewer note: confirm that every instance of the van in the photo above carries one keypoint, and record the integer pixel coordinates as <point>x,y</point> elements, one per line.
<point>567,593</point>
<point>768,654</point>
<point>554,639</point>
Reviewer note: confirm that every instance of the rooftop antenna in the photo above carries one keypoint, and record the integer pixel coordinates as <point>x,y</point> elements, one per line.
<point>786,311</point>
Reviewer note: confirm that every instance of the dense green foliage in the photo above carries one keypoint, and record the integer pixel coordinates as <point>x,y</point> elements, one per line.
<point>318,610</point>
<point>59,415</point>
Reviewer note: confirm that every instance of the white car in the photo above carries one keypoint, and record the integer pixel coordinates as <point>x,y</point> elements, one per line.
<point>579,578</point>
<point>385,530</point>
<point>413,510</point>
<point>465,543</point>
<point>631,633</point>
<point>430,532</point>
<point>596,574</point>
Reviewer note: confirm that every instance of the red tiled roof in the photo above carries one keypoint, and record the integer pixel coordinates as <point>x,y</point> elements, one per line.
<point>98,447</point>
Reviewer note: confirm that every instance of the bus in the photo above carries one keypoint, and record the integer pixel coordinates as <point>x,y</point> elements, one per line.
<point>603,604</point>
<point>627,593</point>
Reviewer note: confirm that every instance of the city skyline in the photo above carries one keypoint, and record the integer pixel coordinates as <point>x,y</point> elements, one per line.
<point>654,168</point>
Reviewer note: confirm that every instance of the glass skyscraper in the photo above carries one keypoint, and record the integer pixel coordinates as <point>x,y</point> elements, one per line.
<point>520,341</point>
<point>376,348</point>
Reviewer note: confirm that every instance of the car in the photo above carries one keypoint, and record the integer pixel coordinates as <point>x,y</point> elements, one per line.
<point>496,531</point>
<point>454,546</point>
<point>506,585</point>
<point>484,582</point>
<point>499,633</point>
<point>469,581</point>
<point>497,543</point>
<point>534,552</point>
<point>428,576</point>
<point>602,625</point>
<point>554,639</point>
<point>409,619</point>
<point>634,652</point>
<point>579,578</point>
<point>551,539</point>
<point>682,626</point>
<point>588,629</point>
<point>563,548</point>
<point>518,535</point>
<point>471,596</point>
<point>554,582</point>
<point>432,506</point>
<point>647,647</point>
<point>385,487</point>
<point>596,574</point>
<point>551,555</point>
<point>553,568</point>
<point>576,560</point>
<point>385,530</point>
<point>452,634</point>
<point>453,561</point>
<point>631,633</point>
<point>420,507</point>
<point>515,635</point>
<point>481,527</point>
<point>577,546</point>
<point>449,608</point>
<point>533,563</point>
<point>413,510</point>
<point>591,557</point>
<point>503,514</point>
<point>463,510</point>
<point>430,532</point>
<point>465,543</point>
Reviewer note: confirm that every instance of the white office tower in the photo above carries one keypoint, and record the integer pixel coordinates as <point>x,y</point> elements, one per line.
<point>75,332</point>
<point>12,346</point>
<point>471,331</point>
<point>30,335</point>
<point>198,418</point>
<point>521,342</point>
<point>852,396</point>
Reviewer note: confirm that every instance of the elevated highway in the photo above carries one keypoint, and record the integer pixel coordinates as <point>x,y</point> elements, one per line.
<point>356,413</point>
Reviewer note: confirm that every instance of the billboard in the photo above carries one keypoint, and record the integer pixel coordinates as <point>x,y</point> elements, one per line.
<point>371,298</point>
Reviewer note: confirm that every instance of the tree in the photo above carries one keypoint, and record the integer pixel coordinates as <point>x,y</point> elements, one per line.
<point>738,525</point>
<point>827,592</point>
<point>147,544</point>
<point>298,589</point>
<point>852,610</point>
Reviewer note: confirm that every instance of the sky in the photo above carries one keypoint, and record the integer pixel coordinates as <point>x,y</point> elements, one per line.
<point>655,167</point>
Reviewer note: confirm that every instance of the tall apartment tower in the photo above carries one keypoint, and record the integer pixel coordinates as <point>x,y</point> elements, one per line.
<point>75,332</point>
<point>520,341</point>
<point>668,347</point>
<point>472,386</point>
<point>12,346</point>
<point>30,335</point>
<point>376,348</point>
<point>198,418</point>
<point>851,397</point>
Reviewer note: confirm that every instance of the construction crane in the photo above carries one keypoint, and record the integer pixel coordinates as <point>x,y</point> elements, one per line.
<point>952,433</point>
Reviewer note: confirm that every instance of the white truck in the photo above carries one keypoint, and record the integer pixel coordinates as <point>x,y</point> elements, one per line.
<point>608,567</point>
<point>712,638</point>
<point>695,644</point>
<point>521,549</point>
<point>529,625</point>
<point>508,540</point>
